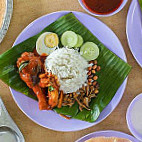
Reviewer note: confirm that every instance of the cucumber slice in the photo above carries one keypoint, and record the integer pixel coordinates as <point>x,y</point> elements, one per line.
<point>69,39</point>
<point>79,42</point>
<point>89,51</point>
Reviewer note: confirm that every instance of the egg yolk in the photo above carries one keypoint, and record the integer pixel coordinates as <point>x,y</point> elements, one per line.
<point>51,40</point>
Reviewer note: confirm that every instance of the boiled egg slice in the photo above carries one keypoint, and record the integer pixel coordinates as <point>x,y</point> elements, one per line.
<point>47,43</point>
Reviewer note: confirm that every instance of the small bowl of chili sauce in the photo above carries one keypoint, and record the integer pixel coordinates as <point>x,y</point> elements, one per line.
<point>102,8</point>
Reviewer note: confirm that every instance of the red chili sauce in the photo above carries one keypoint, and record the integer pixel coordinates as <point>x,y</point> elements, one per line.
<point>102,6</point>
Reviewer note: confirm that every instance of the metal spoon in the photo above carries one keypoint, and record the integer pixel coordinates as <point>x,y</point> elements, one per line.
<point>8,135</point>
<point>9,131</point>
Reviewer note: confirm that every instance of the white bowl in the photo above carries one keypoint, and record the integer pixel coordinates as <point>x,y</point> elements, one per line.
<point>104,15</point>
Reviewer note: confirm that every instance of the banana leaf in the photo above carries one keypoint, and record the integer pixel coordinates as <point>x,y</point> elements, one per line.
<point>113,69</point>
<point>140,2</point>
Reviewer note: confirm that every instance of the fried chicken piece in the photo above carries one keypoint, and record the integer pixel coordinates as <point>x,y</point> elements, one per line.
<point>29,74</point>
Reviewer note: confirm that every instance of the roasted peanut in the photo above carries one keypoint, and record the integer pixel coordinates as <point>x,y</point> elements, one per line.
<point>96,91</point>
<point>94,83</point>
<point>98,68</point>
<point>89,68</point>
<point>89,73</point>
<point>95,62</point>
<point>94,67</point>
<point>89,83</point>
<point>93,71</point>
<point>95,77</point>
<point>90,80</point>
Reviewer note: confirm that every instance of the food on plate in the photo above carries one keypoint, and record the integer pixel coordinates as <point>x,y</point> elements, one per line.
<point>2,11</point>
<point>71,39</point>
<point>102,6</point>
<point>60,78</point>
<point>108,139</point>
<point>47,43</point>
<point>89,51</point>
<point>70,67</point>
<point>29,75</point>
<point>28,68</point>
<point>79,42</point>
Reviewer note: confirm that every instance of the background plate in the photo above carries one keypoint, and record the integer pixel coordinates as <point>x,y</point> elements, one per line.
<point>50,119</point>
<point>134,30</point>
<point>7,17</point>
<point>108,133</point>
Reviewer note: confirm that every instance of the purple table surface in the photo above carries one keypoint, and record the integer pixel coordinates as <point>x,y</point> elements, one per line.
<point>46,118</point>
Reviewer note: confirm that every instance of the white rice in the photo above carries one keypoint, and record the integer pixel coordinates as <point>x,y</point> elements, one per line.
<point>70,67</point>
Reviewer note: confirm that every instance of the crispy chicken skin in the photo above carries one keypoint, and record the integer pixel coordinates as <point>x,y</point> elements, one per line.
<point>29,74</point>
